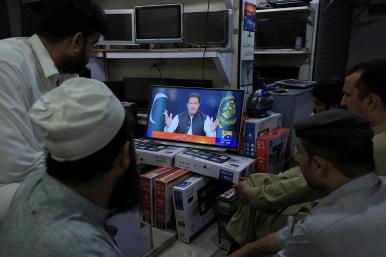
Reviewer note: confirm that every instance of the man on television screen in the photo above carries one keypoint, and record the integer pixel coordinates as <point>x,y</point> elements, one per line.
<point>191,122</point>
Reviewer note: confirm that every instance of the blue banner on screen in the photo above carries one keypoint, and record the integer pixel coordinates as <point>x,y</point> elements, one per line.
<point>195,115</point>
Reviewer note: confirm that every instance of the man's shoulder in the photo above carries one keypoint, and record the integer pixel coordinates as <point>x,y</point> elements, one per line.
<point>14,50</point>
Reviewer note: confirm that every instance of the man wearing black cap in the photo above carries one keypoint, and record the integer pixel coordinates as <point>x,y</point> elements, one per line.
<point>336,155</point>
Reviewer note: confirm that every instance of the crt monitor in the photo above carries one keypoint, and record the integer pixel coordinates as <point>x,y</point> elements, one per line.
<point>119,27</point>
<point>158,23</point>
<point>200,116</point>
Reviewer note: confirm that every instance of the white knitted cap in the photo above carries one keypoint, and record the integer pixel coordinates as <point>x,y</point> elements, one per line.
<point>78,118</point>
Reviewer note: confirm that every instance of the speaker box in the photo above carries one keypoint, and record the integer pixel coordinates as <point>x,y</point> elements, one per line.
<point>206,28</point>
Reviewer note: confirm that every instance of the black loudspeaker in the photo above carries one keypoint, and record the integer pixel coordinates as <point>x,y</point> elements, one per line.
<point>206,28</point>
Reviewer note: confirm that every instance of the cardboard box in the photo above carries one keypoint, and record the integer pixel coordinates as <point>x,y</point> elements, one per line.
<point>243,137</point>
<point>227,204</point>
<point>164,214</point>
<point>258,127</point>
<point>221,166</point>
<point>272,151</point>
<point>156,154</point>
<point>194,206</point>
<point>147,188</point>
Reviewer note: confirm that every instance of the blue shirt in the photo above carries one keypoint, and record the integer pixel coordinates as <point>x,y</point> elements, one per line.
<point>47,218</point>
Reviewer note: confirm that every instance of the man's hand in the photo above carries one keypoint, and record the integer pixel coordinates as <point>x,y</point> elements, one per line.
<point>214,124</point>
<point>242,191</point>
<point>168,119</point>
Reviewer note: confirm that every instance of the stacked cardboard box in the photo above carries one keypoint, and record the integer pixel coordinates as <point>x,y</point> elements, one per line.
<point>227,204</point>
<point>258,127</point>
<point>194,205</point>
<point>164,214</point>
<point>147,187</point>
<point>273,150</point>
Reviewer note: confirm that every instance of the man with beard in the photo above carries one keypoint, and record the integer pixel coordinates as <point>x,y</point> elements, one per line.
<point>31,67</point>
<point>90,175</point>
<point>336,155</point>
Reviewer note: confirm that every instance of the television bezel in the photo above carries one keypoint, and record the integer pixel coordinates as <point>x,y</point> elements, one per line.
<point>160,40</point>
<point>195,144</point>
<point>103,41</point>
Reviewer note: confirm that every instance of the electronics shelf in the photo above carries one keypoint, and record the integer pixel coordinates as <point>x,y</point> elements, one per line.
<point>282,52</point>
<point>274,12</point>
<point>222,57</point>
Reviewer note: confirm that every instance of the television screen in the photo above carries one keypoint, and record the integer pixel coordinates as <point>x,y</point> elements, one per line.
<point>206,28</point>
<point>280,33</point>
<point>119,27</point>
<point>158,23</point>
<point>202,116</point>
<point>249,17</point>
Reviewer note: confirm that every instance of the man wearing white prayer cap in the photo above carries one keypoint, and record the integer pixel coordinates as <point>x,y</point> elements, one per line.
<point>91,175</point>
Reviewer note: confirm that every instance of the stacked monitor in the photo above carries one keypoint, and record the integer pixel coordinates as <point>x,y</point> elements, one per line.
<point>212,119</point>
<point>119,28</point>
<point>159,23</point>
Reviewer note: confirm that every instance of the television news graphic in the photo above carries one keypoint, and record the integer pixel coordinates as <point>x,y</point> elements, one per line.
<point>164,214</point>
<point>257,127</point>
<point>194,206</point>
<point>229,171</point>
<point>249,23</point>
<point>218,113</point>
<point>206,28</point>
<point>119,28</point>
<point>147,186</point>
<point>159,24</point>
<point>273,150</point>
<point>227,204</point>
<point>156,154</point>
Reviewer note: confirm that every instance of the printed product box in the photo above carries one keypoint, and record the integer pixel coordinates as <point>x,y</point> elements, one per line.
<point>257,127</point>
<point>223,166</point>
<point>273,151</point>
<point>156,154</point>
<point>147,187</point>
<point>164,214</point>
<point>227,204</point>
<point>194,205</point>
<point>243,137</point>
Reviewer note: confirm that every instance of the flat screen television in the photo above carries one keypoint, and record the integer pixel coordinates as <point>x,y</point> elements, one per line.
<point>249,23</point>
<point>200,116</point>
<point>119,28</point>
<point>159,23</point>
<point>279,33</point>
<point>206,28</point>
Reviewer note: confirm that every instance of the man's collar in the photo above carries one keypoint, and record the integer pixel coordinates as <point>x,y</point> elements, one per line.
<point>43,56</point>
<point>379,128</point>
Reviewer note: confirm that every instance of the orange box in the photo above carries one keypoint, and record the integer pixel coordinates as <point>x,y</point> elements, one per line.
<point>272,150</point>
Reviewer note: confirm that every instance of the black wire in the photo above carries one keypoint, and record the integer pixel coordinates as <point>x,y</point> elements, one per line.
<point>206,40</point>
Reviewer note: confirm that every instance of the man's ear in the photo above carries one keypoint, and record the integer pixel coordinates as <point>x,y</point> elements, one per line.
<point>124,156</point>
<point>77,42</point>
<point>319,165</point>
<point>374,101</point>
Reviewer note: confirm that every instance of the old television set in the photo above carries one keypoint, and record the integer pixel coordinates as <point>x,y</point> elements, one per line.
<point>223,105</point>
<point>249,22</point>
<point>280,33</point>
<point>159,23</point>
<point>206,28</point>
<point>119,27</point>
